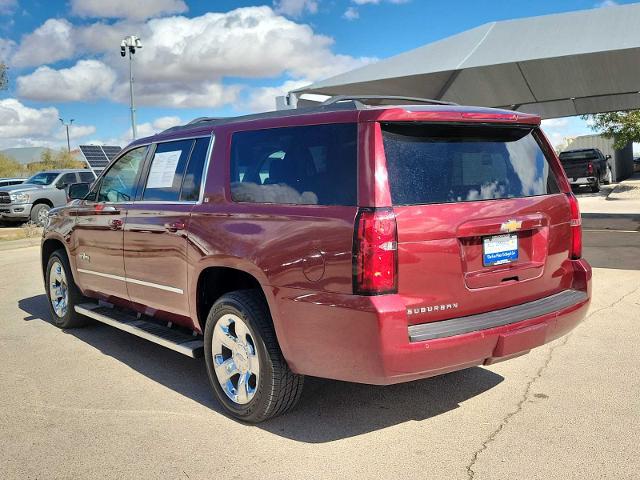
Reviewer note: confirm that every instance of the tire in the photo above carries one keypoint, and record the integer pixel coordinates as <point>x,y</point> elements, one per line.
<point>595,187</point>
<point>39,214</point>
<point>241,320</point>
<point>64,316</point>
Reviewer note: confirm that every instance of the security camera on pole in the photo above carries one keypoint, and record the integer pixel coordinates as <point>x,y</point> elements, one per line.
<point>130,44</point>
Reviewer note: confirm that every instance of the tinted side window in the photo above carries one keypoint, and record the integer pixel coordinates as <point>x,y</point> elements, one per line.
<point>167,170</point>
<point>87,177</point>
<point>119,183</point>
<point>314,165</point>
<point>66,180</point>
<point>193,176</point>
<point>444,163</point>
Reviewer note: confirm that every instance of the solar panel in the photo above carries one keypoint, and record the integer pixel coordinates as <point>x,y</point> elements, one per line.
<point>111,151</point>
<point>99,156</point>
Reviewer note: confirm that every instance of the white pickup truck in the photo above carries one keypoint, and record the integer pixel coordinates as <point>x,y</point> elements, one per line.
<point>33,199</point>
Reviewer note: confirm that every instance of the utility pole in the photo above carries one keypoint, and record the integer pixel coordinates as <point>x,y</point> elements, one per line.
<point>67,125</point>
<point>130,44</point>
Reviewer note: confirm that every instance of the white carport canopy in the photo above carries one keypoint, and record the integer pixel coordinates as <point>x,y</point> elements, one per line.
<point>555,65</point>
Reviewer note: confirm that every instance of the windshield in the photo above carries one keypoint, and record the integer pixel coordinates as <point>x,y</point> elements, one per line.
<point>42,178</point>
<point>459,163</point>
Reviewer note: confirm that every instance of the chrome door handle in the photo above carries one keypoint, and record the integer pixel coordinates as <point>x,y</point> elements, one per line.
<point>175,226</point>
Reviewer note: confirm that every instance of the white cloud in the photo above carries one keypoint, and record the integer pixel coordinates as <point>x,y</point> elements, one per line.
<point>86,80</point>
<point>145,129</point>
<point>606,3</point>
<point>7,47</point>
<point>133,9</point>
<point>7,7</point>
<point>75,132</point>
<point>351,13</point>
<point>559,129</point>
<point>22,126</point>
<point>50,42</point>
<point>158,125</point>
<point>184,61</point>
<point>555,123</point>
<point>263,99</point>
<point>247,42</point>
<point>295,8</point>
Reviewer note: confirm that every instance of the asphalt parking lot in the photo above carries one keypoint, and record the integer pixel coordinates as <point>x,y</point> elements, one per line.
<point>99,403</point>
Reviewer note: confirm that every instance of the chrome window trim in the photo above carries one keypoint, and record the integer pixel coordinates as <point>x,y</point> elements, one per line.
<point>162,202</point>
<point>205,169</point>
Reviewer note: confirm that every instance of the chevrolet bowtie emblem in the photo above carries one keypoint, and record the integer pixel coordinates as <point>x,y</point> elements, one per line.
<point>511,226</point>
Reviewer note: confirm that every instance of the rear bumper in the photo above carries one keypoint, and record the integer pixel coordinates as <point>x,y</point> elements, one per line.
<point>582,181</point>
<point>368,340</point>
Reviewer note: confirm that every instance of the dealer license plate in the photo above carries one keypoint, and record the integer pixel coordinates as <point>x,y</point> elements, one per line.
<point>499,249</point>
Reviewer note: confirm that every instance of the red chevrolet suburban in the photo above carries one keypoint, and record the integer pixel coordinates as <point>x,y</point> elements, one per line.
<point>353,240</point>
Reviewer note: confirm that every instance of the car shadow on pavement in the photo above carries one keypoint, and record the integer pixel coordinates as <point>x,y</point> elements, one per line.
<point>328,410</point>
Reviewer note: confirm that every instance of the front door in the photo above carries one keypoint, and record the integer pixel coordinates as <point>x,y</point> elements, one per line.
<point>155,235</point>
<point>98,234</point>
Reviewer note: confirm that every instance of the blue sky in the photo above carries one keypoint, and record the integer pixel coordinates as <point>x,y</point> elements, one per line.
<point>207,58</point>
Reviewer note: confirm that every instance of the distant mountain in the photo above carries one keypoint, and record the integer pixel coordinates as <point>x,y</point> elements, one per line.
<point>26,155</point>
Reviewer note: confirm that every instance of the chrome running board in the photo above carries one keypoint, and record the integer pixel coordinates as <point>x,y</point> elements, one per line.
<point>129,322</point>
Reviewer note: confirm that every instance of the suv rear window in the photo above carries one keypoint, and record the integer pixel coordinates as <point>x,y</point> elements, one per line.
<point>430,163</point>
<point>313,165</point>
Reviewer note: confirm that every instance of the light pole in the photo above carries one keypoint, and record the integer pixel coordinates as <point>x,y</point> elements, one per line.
<point>67,125</point>
<point>130,44</point>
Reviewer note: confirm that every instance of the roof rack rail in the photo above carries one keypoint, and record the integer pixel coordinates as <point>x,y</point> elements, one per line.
<point>381,98</point>
<point>339,102</point>
<point>203,119</point>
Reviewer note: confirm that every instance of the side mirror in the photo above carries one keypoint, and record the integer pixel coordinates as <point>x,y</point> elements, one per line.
<point>77,191</point>
<point>61,185</point>
<point>607,157</point>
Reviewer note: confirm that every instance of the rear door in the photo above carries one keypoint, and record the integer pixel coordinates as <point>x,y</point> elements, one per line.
<point>482,223</point>
<point>98,233</point>
<point>155,237</point>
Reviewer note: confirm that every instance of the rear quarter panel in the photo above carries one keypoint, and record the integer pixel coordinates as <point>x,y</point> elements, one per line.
<point>302,247</point>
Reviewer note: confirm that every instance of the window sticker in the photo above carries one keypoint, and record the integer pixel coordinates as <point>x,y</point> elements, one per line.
<point>163,169</point>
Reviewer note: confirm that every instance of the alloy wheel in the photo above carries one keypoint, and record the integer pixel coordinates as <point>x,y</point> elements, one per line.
<point>58,289</point>
<point>235,359</point>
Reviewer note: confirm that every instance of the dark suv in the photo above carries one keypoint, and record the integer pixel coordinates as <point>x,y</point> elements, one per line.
<point>374,244</point>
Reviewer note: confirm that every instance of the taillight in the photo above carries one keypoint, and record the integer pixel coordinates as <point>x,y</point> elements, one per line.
<point>375,252</point>
<point>576,228</point>
<point>590,168</point>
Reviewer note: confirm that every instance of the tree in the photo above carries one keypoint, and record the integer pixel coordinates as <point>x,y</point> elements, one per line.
<point>9,167</point>
<point>50,159</point>
<point>623,127</point>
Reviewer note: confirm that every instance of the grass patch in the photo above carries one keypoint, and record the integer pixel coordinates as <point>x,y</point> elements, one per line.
<point>20,232</point>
